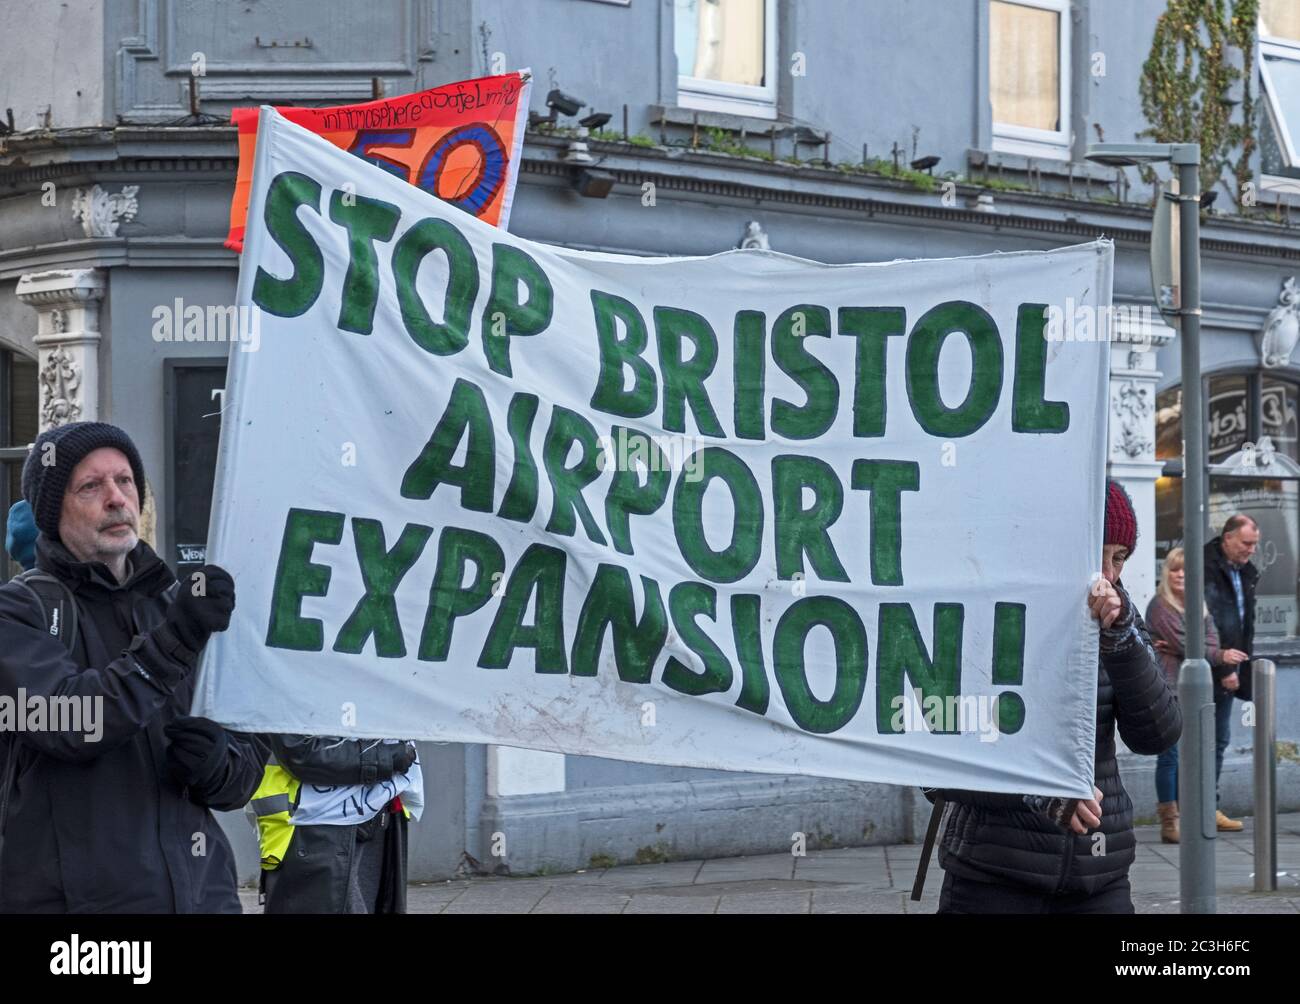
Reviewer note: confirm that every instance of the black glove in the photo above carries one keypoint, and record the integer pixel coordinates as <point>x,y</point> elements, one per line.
<point>403,757</point>
<point>193,618</point>
<point>1120,635</point>
<point>389,759</point>
<point>197,752</point>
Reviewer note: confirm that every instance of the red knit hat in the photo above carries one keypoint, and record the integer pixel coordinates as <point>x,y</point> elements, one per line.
<point>1121,522</point>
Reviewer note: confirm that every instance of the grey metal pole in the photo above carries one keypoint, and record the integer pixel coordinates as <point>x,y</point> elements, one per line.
<point>1264,686</point>
<point>1195,686</point>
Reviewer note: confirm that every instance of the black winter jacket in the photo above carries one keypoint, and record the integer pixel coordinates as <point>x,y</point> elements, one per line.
<point>997,838</point>
<point>1234,631</point>
<point>101,827</point>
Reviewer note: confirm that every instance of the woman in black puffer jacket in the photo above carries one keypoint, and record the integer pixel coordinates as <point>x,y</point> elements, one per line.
<point>1031,854</point>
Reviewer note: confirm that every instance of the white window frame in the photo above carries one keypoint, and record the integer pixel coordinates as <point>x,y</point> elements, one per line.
<point>1048,143</point>
<point>737,99</point>
<point>1289,49</point>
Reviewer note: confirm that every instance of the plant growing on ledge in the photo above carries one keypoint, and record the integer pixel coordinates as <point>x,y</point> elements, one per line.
<point>1195,86</point>
<point>887,169</point>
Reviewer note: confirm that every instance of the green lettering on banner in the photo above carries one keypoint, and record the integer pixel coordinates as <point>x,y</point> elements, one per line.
<point>627,495</point>
<point>381,571</point>
<point>923,348</point>
<point>520,500</point>
<point>833,613</point>
<point>749,357</point>
<point>449,598</point>
<point>886,480</point>
<point>1029,411</point>
<point>798,530</point>
<point>616,353</point>
<point>872,327</point>
<point>900,652</point>
<point>297,576</point>
<point>293,296</point>
<point>747,632</point>
<point>684,378</point>
<point>510,267</point>
<point>466,415</point>
<point>366,221</point>
<point>1009,663</point>
<point>740,556</point>
<point>687,601</point>
<point>569,427</point>
<point>539,570</point>
<point>790,332</point>
<point>450,336</point>
<point>611,605</point>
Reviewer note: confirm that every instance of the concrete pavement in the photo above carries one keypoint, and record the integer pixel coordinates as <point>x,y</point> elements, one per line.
<point>850,880</point>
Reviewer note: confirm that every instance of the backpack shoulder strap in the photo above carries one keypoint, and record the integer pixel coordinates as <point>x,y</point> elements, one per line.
<point>59,611</point>
<point>56,602</point>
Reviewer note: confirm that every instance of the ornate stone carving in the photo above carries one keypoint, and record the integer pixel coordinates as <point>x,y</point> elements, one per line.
<point>100,212</point>
<point>67,341</point>
<point>755,237</point>
<point>1281,330</point>
<point>60,389</point>
<point>1131,404</point>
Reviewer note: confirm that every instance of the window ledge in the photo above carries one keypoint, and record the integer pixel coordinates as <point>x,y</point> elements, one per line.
<point>1011,146</point>
<point>679,115</point>
<point>1274,185</point>
<point>990,161</point>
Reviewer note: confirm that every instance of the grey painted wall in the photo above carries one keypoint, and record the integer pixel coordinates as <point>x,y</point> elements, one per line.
<point>53,55</point>
<point>91,61</point>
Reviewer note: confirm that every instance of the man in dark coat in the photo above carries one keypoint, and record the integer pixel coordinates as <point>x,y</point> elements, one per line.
<point>1031,854</point>
<point>1230,582</point>
<point>115,817</point>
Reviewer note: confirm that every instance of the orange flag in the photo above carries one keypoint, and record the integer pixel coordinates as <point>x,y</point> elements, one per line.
<point>460,142</point>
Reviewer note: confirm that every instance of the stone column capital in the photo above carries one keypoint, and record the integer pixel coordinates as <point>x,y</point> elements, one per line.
<point>66,301</point>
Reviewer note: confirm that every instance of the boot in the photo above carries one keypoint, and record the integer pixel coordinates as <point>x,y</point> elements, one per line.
<point>1168,813</point>
<point>1225,823</point>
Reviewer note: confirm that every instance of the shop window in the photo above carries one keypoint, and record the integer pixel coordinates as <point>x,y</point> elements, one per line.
<point>1277,403</point>
<point>1029,76</point>
<point>1225,418</point>
<point>1169,434</point>
<point>726,55</point>
<point>1252,440</point>
<point>1273,504</point>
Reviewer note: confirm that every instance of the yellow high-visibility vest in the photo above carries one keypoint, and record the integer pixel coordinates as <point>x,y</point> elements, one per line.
<point>271,804</point>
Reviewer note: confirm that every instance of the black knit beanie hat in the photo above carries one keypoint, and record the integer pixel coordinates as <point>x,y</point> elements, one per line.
<point>46,472</point>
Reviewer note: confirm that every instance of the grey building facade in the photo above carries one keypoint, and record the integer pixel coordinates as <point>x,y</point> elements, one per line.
<point>786,122</point>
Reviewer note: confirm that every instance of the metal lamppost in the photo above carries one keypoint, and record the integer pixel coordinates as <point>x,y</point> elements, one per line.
<point>1195,685</point>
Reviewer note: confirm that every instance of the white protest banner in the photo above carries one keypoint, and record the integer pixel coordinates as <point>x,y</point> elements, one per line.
<point>745,512</point>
